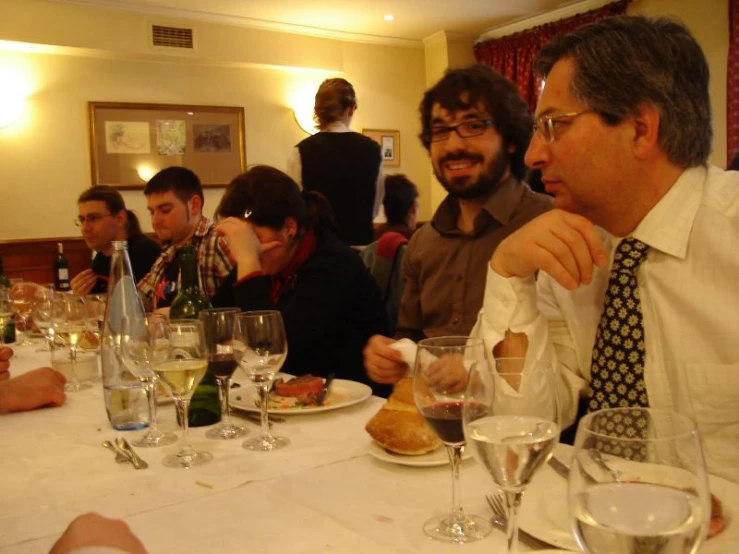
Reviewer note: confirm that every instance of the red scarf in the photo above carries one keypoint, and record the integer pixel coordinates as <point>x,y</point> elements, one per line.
<point>287,278</point>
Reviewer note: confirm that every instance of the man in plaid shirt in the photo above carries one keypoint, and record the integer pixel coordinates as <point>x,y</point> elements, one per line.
<point>174,198</point>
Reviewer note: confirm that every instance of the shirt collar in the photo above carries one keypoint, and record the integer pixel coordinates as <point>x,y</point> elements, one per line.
<point>499,206</point>
<point>337,127</point>
<point>668,224</point>
<point>203,227</point>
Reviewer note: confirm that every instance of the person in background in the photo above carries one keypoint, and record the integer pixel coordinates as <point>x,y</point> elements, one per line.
<point>94,534</point>
<point>34,389</point>
<point>344,166</point>
<point>288,258</point>
<point>636,297</point>
<point>476,128</point>
<point>174,198</point>
<point>104,218</point>
<point>401,206</point>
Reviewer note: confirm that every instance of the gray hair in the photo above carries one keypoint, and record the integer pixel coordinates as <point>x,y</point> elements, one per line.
<point>623,62</point>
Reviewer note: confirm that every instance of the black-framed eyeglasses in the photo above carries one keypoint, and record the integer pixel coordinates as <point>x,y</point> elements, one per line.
<point>466,129</point>
<point>90,218</point>
<point>545,124</point>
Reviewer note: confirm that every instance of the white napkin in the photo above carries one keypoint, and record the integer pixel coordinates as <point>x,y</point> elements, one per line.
<point>407,349</point>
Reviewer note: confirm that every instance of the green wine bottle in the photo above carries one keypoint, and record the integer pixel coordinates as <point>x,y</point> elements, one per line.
<point>205,408</point>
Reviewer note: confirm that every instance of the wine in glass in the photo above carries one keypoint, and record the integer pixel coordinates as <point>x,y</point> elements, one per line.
<point>22,296</point>
<point>439,382</point>
<point>638,483</point>
<point>182,366</point>
<point>218,325</point>
<point>6,312</point>
<point>511,421</point>
<point>260,341</point>
<point>72,329</point>
<point>143,345</point>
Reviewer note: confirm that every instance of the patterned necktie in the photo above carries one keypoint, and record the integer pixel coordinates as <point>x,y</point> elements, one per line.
<point>617,370</point>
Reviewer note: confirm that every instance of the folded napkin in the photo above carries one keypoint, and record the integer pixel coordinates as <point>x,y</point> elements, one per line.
<point>407,349</point>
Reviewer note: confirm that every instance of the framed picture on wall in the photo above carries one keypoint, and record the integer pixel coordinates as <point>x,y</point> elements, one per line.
<point>389,142</point>
<point>129,143</point>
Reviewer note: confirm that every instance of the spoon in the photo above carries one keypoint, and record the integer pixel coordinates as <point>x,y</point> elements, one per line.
<point>137,462</point>
<point>120,457</point>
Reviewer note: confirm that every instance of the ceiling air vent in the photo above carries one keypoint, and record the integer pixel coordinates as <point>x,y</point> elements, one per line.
<point>171,37</point>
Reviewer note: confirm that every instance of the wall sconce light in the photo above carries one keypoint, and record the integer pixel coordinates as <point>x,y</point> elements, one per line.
<point>11,108</point>
<point>304,119</point>
<point>146,172</point>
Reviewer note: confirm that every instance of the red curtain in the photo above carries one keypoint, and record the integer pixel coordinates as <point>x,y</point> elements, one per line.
<point>514,55</point>
<point>732,84</point>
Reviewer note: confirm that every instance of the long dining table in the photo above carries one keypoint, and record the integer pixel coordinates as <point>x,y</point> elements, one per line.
<point>322,493</point>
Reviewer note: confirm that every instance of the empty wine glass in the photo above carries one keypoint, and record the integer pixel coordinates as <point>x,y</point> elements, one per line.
<point>95,304</point>
<point>42,315</point>
<point>218,325</point>
<point>22,296</point>
<point>259,338</point>
<point>638,483</point>
<point>142,346</point>
<point>181,364</point>
<point>511,421</point>
<point>439,382</point>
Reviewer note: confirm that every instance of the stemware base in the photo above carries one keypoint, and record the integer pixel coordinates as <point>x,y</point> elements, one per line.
<point>76,387</point>
<point>265,444</point>
<point>153,440</point>
<point>448,528</point>
<point>187,460</point>
<point>226,432</point>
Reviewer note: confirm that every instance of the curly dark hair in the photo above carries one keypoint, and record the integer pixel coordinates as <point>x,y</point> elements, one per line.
<point>459,89</point>
<point>625,61</point>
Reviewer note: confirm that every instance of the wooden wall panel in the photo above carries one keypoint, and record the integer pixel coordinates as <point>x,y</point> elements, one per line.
<point>33,259</point>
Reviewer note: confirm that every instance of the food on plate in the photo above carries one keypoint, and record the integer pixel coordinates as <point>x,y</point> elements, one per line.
<point>399,427</point>
<point>298,392</point>
<point>717,523</point>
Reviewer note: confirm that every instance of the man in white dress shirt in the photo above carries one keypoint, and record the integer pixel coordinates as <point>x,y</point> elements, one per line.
<point>623,137</point>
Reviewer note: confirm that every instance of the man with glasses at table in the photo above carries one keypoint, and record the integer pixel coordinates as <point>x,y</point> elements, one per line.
<point>636,299</point>
<point>103,218</point>
<point>476,128</point>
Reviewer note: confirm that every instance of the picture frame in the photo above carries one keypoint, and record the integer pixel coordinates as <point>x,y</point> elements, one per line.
<point>389,142</point>
<point>130,142</point>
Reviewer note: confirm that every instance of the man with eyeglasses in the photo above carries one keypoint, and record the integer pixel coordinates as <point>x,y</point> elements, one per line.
<point>476,128</point>
<point>636,300</point>
<point>103,218</point>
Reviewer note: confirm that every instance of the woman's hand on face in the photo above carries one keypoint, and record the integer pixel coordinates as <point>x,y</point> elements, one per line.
<point>244,244</point>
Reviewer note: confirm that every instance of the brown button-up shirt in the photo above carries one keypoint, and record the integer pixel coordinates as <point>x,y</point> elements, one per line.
<point>444,268</point>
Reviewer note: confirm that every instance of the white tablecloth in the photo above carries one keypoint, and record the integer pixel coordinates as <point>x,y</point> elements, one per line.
<point>322,493</point>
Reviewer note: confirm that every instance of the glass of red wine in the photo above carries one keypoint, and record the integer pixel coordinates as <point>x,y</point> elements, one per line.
<point>218,325</point>
<point>440,379</point>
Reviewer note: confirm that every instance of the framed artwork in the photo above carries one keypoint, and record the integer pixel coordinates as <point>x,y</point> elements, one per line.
<point>389,142</point>
<point>129,143</point>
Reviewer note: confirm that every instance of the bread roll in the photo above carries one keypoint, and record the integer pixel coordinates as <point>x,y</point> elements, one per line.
<point>399,427</point>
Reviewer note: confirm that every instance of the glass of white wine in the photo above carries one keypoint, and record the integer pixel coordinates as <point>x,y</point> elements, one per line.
<point>511,422</point>
<point>638,483</point>
<point>259,341</point>
<point>6,312</point>
<point>22,296</point>
<point>182,368</point>
<point>142,346</point>
<point>73,331</point>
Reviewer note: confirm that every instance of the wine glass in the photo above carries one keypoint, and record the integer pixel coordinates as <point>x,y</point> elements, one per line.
<point>22,296</point>
<point>42,309</point>
<point>439,381</point>
<point>260,342</point>
<point>218,325</point>
<point>6,312</point>
<point>511,420</point>
<point>181,365</point>
<point>638,483</point>
<point>73,329</point>
<point>95,304</point>
<point>142,346</point>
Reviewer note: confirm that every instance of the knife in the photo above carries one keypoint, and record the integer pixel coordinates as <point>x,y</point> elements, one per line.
<point>324,391</point>
<point>137,462</point>
<point>560,467</point>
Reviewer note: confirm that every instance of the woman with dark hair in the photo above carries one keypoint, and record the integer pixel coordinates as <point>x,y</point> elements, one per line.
<point>104,218</point>
<point>344,166</point>
<point>288,258</point>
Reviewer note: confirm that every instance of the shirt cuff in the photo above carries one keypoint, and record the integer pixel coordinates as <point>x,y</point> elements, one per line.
<point>258,273</point>
<point>509,303</point>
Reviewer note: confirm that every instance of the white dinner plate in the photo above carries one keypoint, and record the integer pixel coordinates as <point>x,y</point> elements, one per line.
<point>436,458</point>
<point>544,510</point>
<point>342,393</point>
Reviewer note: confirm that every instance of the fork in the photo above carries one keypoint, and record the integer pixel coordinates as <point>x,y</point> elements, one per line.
<point>500,520</point>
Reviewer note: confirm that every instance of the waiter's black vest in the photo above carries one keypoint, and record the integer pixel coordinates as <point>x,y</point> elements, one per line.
<point>343,167</point>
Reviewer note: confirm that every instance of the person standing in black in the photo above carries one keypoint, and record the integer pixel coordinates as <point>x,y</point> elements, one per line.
<point>344,166</point>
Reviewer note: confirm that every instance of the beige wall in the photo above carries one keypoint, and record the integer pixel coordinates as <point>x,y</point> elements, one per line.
<point>45,161</point>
